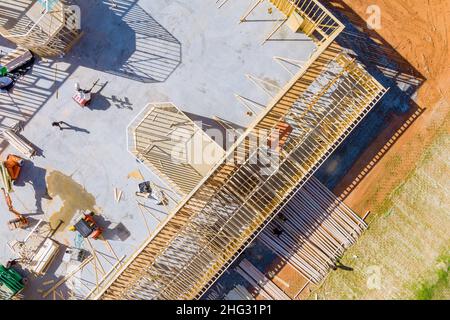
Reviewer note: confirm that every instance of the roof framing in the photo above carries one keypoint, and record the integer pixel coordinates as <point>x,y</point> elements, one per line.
<point>229,207</point>
<point>46,27</point>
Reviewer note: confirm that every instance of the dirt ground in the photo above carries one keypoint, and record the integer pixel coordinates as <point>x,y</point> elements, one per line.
<point>414,237</point>
<point>405,254</point>
<point>291,282</point>
<point>418,30</point>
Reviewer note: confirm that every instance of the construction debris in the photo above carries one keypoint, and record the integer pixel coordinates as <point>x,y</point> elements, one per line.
<point>148,189</point>
<point>9,172</point>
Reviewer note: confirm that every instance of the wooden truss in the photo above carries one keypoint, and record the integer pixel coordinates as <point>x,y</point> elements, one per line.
<point>47,28</point>
<point>101,262</point>
<point>170,143</point>
<point>230,206</point>
<point>310,17</point>
<point>78,282</point>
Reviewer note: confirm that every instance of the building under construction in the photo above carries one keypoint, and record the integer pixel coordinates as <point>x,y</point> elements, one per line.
<point>231,202</point>
<point>48,28</point>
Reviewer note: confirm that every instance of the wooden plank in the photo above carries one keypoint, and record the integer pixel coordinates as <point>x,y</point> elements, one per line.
<point>63,280</point>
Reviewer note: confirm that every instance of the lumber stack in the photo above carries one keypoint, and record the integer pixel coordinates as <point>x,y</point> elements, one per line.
<point>260,281</point>
<point>16,58</point>
<point>317,228</point>
<point>261,291</point>
<point>19,143</point>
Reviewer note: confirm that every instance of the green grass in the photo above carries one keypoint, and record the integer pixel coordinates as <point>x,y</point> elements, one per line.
<point>438,287</point>
<point>407,239</point>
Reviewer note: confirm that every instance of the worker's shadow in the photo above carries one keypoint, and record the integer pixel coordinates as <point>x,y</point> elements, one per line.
<point>36,177</point>
<point>111,230</point>
<point>67,126</point>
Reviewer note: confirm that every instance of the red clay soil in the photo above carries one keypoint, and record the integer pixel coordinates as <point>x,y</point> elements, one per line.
<point>419,31</point>
<point>287,279</point>
<point>290,281</point>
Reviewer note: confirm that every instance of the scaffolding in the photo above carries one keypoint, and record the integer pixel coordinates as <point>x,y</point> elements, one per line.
<point>254,180</point>
<point>48,28</point>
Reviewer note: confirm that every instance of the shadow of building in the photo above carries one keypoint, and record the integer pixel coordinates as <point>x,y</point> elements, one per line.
<point>126,41</point>
<point>389,117</point>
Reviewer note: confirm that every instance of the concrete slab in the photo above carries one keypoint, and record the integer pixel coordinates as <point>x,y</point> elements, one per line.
<point>187,52</point>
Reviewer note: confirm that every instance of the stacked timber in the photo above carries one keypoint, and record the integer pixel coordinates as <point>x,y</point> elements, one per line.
<point>19,143</point>
<point>262,293</point>
<point>258,280</point>
<point>316,229</point>
<point>239,293</point>
<point>15,59</point>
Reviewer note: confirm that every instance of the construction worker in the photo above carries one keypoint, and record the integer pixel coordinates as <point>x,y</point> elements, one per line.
<point>58,124</point>
<point>277,232</point>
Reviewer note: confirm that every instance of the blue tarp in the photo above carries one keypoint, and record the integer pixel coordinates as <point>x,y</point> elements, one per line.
<point>51,3</point>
